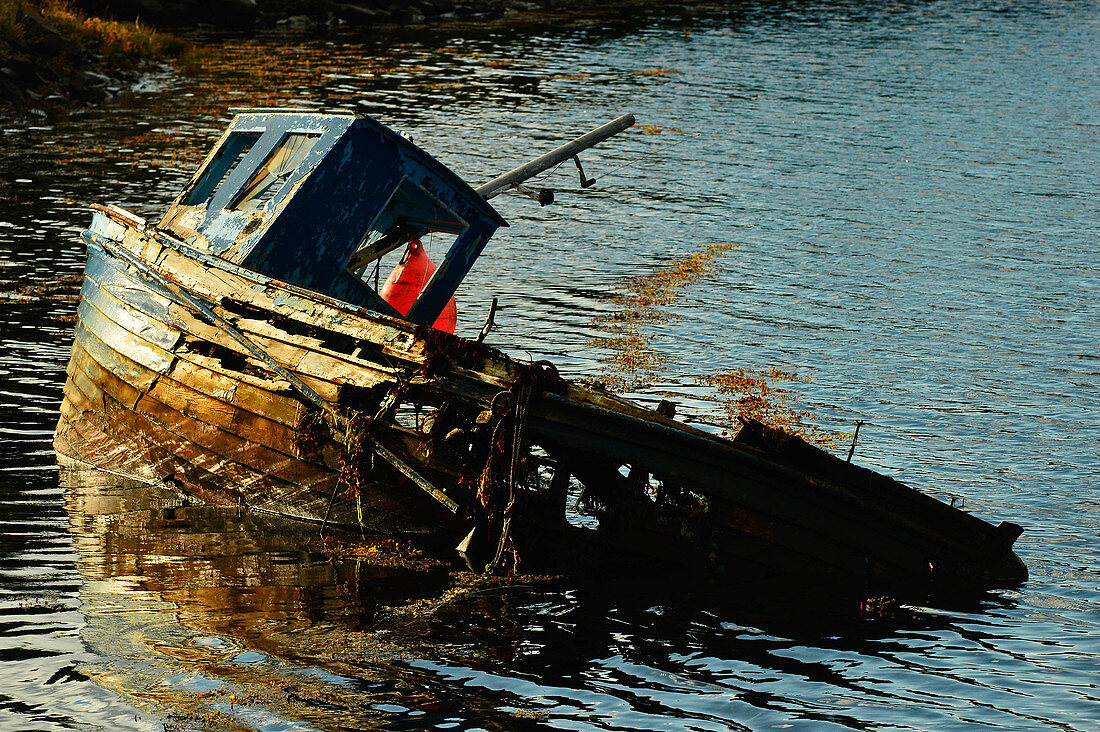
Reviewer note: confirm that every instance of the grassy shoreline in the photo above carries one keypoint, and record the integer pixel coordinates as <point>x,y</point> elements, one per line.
<point>53,55</point>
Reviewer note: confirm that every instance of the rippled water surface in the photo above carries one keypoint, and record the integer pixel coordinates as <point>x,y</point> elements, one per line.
<point>913,189</point>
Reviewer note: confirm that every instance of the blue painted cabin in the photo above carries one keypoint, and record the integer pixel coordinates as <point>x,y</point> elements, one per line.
<point>315,198</point>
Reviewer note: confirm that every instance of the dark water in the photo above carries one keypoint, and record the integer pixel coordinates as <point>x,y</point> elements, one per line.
<point>914,191</point>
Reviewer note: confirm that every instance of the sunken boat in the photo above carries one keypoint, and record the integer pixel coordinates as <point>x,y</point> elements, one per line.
<point>239,351</point>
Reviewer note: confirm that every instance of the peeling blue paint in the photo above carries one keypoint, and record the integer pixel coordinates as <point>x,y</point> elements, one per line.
<point>357,177</point>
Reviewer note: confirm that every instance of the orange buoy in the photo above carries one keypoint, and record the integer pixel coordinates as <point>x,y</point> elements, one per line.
<point>407,281</point>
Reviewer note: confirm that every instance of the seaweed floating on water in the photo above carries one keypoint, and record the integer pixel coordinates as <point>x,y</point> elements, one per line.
<point>739,393</point>
<point>63,288</point>
<point>747,394</point>
<point>644,300</point>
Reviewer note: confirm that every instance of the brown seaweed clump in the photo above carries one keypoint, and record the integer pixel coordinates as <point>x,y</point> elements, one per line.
<point>644,300</point>
<point>747,394</point>
<point>63,288</point>
<point>741,393</point>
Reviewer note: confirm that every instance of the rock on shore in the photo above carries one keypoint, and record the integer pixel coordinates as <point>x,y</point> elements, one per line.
<point>52,57</point>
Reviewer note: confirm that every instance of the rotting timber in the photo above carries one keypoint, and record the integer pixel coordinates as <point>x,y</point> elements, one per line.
<point>238,351</point>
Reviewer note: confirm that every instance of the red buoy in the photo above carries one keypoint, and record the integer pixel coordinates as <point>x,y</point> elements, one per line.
<point>407,281</point>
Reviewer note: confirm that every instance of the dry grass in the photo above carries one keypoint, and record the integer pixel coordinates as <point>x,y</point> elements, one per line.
<point>113,39</point>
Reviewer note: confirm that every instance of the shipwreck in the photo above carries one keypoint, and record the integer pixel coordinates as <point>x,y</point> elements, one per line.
<point>240,351</point>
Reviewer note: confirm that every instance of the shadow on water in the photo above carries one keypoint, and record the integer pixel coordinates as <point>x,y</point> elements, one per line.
<point>213,617</point>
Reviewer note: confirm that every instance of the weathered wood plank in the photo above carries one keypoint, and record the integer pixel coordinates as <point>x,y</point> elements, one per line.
<point>897,516</point>
<point>865,484</point>
<point>84,435</point>
<point>720,470</point>
<point>323,378</point>
<point>300,358</point>
<point>144,326</point>
<point>285,348</point>
<point>254,473</point>
<point>286,409</point>
<point>117,448</point>
<point>305,498</point>
<point>277,388</point>
<point>86,368</point>
<point>397,339</point>
<point>229,418</point>
<point>139,376</point>
<point>111,277</point>
<point>235,394</point>
<point>252,483</point>
<point>122,341</point>
<point>259,458</point>
<point>834,546</point>
<point>211,278</point>
<point>166,450</point>
<point>86,392</point>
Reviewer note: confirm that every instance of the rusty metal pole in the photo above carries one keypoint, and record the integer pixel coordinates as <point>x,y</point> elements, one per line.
<point>514,177</point>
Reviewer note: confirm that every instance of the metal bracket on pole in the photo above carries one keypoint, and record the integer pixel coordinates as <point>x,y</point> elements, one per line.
<point>559,155</point>
<point>489,322</point>
<point>544,196</point>
<point>585,182</point>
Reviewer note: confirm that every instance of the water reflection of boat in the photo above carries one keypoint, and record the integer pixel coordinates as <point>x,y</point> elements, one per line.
<point>239,351</point>
<point>223,620</point>
<point>213,619</point>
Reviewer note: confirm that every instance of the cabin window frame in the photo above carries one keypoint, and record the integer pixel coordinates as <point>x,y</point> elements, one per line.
<point>222,165</point>
<point>401,226</point>
<point>272,174</point>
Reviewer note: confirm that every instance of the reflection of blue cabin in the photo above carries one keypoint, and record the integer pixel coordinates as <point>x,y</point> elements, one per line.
<point>314,198</point>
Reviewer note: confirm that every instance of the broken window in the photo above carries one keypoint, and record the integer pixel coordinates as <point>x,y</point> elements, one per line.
<point>279,166</point>
<point>411,213</point>
<point>224,163</point>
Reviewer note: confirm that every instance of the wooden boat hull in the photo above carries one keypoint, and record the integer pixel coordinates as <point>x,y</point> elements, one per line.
<point>143,399</point>
<point>159,391</point>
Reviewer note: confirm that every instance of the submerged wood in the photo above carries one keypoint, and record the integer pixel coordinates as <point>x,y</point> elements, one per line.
<point>208,359</point>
